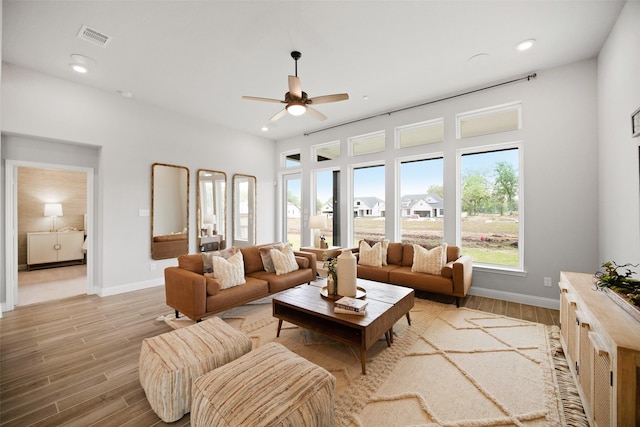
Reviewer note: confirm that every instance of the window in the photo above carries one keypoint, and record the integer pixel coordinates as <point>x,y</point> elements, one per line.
<point>291,160</point>
<point>366,144</point>
<point>328,151</point>
<point>368,203</point>
<point>489,120</point>
<point>293,217</point>
<point>490,190</point>
<point>421,201</point>
<point>420,133</point>
<point>325,203</point>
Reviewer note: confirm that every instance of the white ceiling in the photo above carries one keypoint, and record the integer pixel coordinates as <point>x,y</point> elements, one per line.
<point>200,57</point>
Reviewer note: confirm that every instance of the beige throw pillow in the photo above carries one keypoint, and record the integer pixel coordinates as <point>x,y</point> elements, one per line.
<point>229,272</point>
<point>427,261</point>
<point>208,256</point>
<point>370,255</point>
<point>284,260</point>
<point>265,254</point>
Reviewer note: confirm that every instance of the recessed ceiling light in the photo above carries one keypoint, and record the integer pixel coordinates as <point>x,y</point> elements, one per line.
<point>525,45</point>
<point>264,128</point>
<point>125,94</point>
<point>79,68</point>
<point>365,97</point>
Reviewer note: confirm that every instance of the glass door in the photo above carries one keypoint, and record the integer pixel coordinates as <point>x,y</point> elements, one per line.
<point>293,210</point>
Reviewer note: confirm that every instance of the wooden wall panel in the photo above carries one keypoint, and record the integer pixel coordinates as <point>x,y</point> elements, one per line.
<point>39,186</point>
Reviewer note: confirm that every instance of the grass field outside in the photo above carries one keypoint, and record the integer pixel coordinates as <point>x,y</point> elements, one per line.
<point>489,239</point>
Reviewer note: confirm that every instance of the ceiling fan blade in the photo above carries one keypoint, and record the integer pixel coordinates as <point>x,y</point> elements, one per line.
<point>315,114</point>
<point>278,115</point>
<point>255,98</point>
<point>328,98</point>
<point>295,90</point>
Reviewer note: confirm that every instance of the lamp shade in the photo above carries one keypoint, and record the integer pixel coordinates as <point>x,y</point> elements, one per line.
<point>317,222</point>
<point>52,209</point>
<point>209,219</point>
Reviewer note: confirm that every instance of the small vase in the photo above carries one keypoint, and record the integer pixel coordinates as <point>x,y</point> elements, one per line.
<point>331,285</point>
<point>347,271</point>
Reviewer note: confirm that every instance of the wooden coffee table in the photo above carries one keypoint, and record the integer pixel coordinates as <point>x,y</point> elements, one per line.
<point>305,307</point>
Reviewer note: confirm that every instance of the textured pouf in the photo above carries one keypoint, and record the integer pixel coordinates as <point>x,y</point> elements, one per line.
<point>271,386</point>
<point>170,362</point>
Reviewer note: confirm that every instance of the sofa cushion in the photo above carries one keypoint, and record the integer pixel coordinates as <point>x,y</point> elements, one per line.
<point>370,255</point>
<point>207,263</point>
<point>252,259</point>
<point>192,263</point>
<point>284,281</point>
<point>447,270</point>
<point>428,260</point>
<point>265,255</point>
<point>394,253</point>
<point>229,272</point>
<point>403,276</point>
<point>377,274</point>
<point>283,260</point>
<point>302,262</point>
<point>238,295</point>
<point>453,253</point>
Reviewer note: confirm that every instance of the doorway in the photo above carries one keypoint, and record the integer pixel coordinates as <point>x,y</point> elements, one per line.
<point>29,186</point>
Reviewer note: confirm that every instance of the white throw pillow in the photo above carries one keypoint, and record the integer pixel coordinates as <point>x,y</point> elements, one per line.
<point>265,254</point>
<point>385,248</point>
<point>208,256</point>
<point>229,272</point>
<point>427,261</point>
<point>370,255</point>
<point>284,260</point>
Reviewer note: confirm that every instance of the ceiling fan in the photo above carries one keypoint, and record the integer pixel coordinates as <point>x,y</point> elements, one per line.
<point>298,103</point>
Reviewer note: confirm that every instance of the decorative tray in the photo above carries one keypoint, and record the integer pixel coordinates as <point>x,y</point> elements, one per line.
<point>360,293</point>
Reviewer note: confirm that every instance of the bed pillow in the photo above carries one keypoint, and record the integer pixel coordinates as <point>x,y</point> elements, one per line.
<point>265,254</point>
<point>229,272</point>
<point>370,255</point>
<point>207,257</point>
<point>427,261</point>
<point>284,260</point>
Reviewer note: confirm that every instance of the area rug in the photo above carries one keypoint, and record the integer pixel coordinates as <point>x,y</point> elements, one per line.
<point>451,367</point>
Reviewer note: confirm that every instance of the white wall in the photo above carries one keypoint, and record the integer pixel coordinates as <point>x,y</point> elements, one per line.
<point>618,97</point>
<point>560,169</point>
<point>129,136</point>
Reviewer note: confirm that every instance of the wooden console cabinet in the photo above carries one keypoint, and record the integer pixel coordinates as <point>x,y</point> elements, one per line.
<point>46,247</point>
<point>602,344</point>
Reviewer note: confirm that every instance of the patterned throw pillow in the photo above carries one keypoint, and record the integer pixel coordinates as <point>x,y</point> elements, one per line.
<point>283,260</point>
<point>265,254</point>
<point>427,261</point>
<point>208,256</point>
<point>385,248</point>
<point>229,272</point>
<point>370,255</point>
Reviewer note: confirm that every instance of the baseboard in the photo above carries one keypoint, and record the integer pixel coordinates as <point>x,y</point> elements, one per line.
<point>129,287</point>
<point>515,297</point>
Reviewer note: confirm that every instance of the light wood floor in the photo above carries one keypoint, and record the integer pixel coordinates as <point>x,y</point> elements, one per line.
<point>75,361</point>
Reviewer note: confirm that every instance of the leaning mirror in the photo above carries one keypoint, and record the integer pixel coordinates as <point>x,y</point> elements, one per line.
<point>244,210</point>
<point>169,211</point>
<point>211,209</point>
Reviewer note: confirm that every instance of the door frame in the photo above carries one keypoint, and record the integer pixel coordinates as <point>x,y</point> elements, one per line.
<point>11,224</point>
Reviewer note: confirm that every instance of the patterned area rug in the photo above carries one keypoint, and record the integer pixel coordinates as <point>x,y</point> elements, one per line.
<point>451,367</point>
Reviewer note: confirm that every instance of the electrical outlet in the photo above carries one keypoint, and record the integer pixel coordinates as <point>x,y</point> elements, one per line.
<point>547,282</point>
<point>152,267</point>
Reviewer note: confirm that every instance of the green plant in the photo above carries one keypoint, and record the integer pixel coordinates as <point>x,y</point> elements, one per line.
<point>622,283</point>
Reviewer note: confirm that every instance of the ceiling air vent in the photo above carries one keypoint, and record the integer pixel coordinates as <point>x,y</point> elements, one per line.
<point>93,36</point>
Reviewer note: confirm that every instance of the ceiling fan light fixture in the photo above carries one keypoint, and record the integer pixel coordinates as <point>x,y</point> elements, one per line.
<point>296,109</point>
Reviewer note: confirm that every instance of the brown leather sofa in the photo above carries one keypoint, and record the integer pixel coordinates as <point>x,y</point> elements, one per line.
<point>455,279</point>
<point>190,292</point>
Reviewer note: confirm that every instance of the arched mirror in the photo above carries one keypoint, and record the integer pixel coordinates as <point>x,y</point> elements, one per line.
<point>169,211</point>
<point>211,209</point>
<point>244,210</point>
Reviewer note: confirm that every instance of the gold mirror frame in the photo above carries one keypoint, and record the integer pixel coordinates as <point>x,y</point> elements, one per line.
<point>244,210</point>
<point>169,211</point>
<point>212,208</point>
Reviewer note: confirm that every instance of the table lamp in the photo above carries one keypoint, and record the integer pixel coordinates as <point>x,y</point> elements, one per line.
<point>317,222</point>
<point>53,210</point>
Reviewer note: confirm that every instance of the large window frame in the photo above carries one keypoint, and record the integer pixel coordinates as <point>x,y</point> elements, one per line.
<point>351,196</point>
<point>520,268</point>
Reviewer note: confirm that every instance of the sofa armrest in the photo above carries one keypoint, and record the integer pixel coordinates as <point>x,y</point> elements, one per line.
<point>185,291</point>
<point>312,260</point>
<point>462,275</point>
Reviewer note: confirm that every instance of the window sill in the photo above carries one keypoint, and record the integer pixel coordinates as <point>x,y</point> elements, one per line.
<point>485,268</point>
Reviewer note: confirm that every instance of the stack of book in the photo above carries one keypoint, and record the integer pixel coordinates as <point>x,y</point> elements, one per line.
<point>348,305</point>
